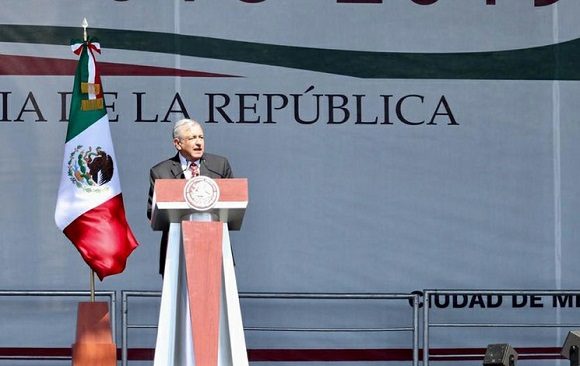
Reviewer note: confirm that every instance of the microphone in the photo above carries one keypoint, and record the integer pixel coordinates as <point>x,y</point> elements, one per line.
<point>208,168</point>
<point>179,174</point>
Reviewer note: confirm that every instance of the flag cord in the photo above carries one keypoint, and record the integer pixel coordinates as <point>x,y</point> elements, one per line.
<point>92,286</point>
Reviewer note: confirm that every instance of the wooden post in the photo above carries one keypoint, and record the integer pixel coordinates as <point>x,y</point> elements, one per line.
<point>94,341</point>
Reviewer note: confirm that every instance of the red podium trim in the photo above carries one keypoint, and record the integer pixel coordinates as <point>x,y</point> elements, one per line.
<point>203,255</point>
<point>169,204</point>
<point>231,190</point>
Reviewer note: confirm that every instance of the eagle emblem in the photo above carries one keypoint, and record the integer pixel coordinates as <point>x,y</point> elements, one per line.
<point>201,193</point>
<point>90,169</point>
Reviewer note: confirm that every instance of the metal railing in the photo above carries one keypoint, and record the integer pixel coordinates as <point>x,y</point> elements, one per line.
<point>428,296</point>
<point>125,325</point>
<point>112,299</point>
<point>413,298</point>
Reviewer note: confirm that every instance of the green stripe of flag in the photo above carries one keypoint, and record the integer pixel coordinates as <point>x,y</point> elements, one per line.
<point>80,120</point>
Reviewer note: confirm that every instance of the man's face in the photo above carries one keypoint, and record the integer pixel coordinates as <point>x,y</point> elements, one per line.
<point>190,143</point>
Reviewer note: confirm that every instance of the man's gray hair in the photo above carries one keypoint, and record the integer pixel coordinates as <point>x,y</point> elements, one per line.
<point>179,125</point>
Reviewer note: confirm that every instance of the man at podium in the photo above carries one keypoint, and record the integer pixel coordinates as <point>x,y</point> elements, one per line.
<point>190,161</point>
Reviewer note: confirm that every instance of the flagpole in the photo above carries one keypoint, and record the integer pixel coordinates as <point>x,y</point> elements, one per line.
<point>85,24</point>
<point>92,286</point>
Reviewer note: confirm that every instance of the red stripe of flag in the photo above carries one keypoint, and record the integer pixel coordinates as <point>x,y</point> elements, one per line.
<point>103,237</point>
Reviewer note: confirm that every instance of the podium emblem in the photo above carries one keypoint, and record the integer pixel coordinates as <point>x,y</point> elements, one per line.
<point>201,193</point>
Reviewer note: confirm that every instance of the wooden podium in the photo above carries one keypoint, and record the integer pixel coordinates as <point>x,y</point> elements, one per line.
<point>200,321</point>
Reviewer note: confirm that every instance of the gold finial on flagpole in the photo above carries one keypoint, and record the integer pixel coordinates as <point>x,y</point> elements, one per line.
<point>85,24</point>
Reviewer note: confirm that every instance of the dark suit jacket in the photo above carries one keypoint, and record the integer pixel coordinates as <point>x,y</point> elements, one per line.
<point>213,166</point>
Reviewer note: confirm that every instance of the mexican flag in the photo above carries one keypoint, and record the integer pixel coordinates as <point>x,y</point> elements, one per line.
<point>90,209</point>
